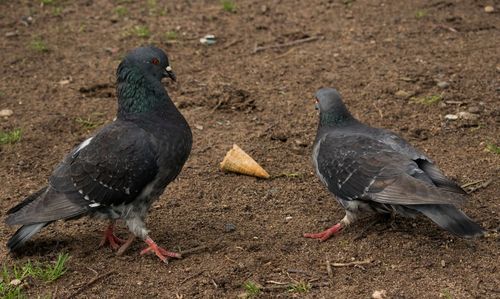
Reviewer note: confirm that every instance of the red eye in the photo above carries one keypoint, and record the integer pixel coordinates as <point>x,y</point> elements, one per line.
<point>155,61</point>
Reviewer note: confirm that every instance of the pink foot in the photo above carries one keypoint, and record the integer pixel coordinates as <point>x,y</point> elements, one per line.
<point>110,238</point>
<point>325,235</point>
<point>160,252</point>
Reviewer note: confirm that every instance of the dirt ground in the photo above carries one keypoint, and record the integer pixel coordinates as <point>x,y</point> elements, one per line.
<point>386,58</point>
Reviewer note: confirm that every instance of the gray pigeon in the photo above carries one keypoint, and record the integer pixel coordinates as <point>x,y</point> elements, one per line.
<point>372,170</point>
<point>119,171</point>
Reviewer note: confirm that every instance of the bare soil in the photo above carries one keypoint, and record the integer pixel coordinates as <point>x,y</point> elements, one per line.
<point>383,56</point>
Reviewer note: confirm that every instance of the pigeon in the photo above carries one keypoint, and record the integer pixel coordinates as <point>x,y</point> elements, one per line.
<point>372,170</point>
<point>123,168</point>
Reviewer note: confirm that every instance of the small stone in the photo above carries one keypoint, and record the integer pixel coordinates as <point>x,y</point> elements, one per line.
<point>443,84</point>
<point>229,227</point>
<point>111,51</point>
<point>26,20</point>
<point>208,39</point>
<point>402,94</point>
<point>264,8</point>
<point>451,117</point>
<point>474,109</point>
<point>300,142</point>
<point>15,282</point>
<point>11,34</point>
<point>288,218</point>
<point>467,115</point>
<point>489,9</point>
<point>66,81</point>
<point>443,263</point>
<point>6,112</point>
<point>199,127</point>
<point>379,294</point>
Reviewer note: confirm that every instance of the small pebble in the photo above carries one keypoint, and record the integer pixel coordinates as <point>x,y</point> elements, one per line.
<point>229,227</point>
<point>199,127</point>
<point>443,84</point>
<point>208,39</point>
<point>467,115</point>
<point>402,94</point>
<point>288,218</point>
<point>11,33</point>
<point>66,81</point>
<point>443,263</point>
<point>26,20</point>
<point>379,294</point>
<point>474,109</point>
<point>15,282</point>
<point>6,112</point>
<point>451,117</point>
<point>489,9</point>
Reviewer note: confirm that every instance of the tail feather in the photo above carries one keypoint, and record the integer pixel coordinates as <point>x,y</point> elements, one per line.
<point>23,234</point>
<point>451,219</point>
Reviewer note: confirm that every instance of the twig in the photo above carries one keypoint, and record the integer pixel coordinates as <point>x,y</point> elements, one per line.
<point>95,272</point>
<point>88,284</point>
<point>192,276</point>
<point>297,271</point>
<point>214,283</point>
<point>234,42</point>
<point>471,183</point>
<point>289,44</point>
<point>379,110</point>
<point>198,248</point>
<point>288,286</point>
<point>329,269</point>
<point>355,263</point>
<point>277,282</point>
<point>480,186</point>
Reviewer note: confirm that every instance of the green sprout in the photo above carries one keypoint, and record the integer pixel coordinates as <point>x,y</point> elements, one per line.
<point>420,14</point>
<point>492,148</point>
<point>121,11</point>
<point>10,137</point>
<point>39,45</point>
<point>141,31</point>
<point>252,289</point>
<point>228,5</point>
<point>428,100</point>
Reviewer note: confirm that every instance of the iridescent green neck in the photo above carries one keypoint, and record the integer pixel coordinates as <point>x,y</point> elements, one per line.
<point>138,93</point>
<point>332,119</point>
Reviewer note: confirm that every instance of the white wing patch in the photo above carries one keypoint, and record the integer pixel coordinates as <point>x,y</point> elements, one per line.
<point>83,144</point>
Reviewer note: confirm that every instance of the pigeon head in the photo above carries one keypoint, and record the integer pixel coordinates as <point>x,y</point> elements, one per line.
<point>151,61</point>
<point>332,110</point>
<point>139,86</point>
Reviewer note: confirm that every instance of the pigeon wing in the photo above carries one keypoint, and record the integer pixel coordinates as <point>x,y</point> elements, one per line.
<point>114,168</point>
<point>359,168</point>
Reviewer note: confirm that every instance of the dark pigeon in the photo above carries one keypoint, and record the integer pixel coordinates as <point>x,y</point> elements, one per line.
<point>118,172</point>
<point>372,170</point>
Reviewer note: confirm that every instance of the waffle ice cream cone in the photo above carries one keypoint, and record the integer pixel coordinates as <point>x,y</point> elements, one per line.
<point>236,160</point>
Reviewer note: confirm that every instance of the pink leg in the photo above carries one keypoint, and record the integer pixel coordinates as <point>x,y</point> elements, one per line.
<point>325,235</point>
<point>160,252</point>
<point>110,238</point>
<point>126,245</point>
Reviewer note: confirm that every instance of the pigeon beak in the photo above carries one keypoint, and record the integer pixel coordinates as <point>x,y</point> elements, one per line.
<point>169,73</point>
<point>316,106</point>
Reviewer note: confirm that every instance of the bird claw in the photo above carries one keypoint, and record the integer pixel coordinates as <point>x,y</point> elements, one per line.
<point>161,253</point>
<point>325,235</point>
<point>110,238</point>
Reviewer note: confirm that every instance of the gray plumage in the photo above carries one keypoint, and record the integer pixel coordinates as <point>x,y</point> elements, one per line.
<point>119,171</point>
<point>374,170</point>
